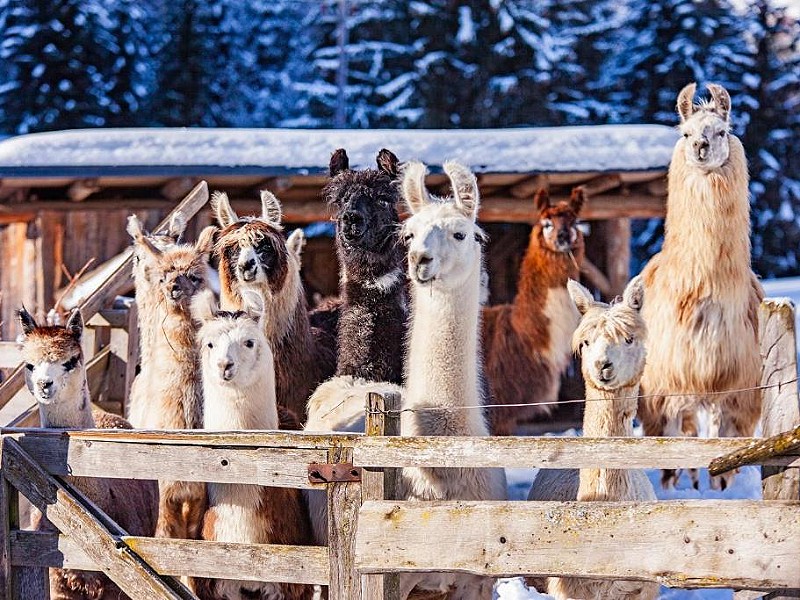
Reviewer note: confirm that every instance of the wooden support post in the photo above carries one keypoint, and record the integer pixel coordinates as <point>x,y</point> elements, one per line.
<point>383,418</point>
<point>124,345</point>
<point>344,500</point>
<point>618,253</point>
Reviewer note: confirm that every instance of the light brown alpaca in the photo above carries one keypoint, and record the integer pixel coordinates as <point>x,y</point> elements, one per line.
<point>56,377</point>
<point>239,393</point>
<point>702,296</point>
<point>171,393</point>
<point>526,344</point>
<point>611,341</point>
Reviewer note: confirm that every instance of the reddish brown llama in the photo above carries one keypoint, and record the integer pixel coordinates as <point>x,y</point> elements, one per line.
<point>527,343</point>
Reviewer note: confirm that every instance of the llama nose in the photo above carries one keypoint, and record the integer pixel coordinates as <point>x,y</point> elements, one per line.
<point>176,292</point>
<point>353,223</point>
<point>701,147</point>
<point>45,387</point>
<point>563,237</point>
<point>423,259</point>
<point>227,370</point>
<point>606,370</point>
<point>248,269</point>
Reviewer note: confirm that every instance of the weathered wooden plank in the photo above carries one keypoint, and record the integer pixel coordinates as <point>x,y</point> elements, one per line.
<point>124,347</point>
<point>617,236</point>
<point>381,484</point>
<point>191,558</point>
<point>548,452</point>
<point>71,514</point>
<point>110,317</point>
<point>280,467</point>
<point>8,512</point>
<point>683,544</point>
<point>344,500</point>
<point>10,355</point>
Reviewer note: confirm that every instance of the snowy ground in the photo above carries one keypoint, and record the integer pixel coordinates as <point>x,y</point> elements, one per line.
<point>747,485</point>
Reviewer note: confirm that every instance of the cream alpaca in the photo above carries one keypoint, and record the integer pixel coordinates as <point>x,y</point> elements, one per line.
<point>611,342</point>
<point>239,393</point>
<point>442,368</point>
<point>702,296</point>
<point>56,376</point>
<point>169,396</point>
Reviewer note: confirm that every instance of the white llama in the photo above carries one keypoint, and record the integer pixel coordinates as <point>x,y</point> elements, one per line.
<point>611,341</point>
<point>442,370</point>
<point>239,393</point>
<point>702,295</point>
<point>56,377</point>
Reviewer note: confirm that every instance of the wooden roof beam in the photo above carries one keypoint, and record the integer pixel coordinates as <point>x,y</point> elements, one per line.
<point>528,187</point>
<point>601,184</point>
<point>177,188</point>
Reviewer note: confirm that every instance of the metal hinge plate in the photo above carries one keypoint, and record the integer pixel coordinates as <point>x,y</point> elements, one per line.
<point>333,473</point>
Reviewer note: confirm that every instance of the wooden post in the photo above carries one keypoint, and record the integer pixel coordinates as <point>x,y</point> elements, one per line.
<point>344,500</point>
<point>618,253</point>
<point>383,418</point>
<point>124,345</point>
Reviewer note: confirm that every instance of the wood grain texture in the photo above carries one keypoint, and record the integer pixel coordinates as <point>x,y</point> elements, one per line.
<point>292,564</point>
<point>682,544</point>
<point>344,500</point>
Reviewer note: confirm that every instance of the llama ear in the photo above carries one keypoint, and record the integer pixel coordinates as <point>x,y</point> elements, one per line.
<point>205,241</point>
<point>177,225</point>
<point>722,100</point>
<point>254,305</point>
<point>26,321</point>
<point>222,209</point>
<point>582,297</point>
<point>686,101</point>
<point>136,231</point>
<point>75,324</point>
<point>388,163</point>
<point>339,162</point>
<point>271,209</point>
<point>577,199</point>
<point>542,200</point>
<point>414,191</point>
<point>633,296</point>
<point>295,243</point>
<point>204,306</point>
<point>465,188</point>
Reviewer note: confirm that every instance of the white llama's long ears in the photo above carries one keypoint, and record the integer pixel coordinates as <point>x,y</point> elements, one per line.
<point>633,296</point>
<point>465,188</point>
<point>295,243</point>
<point>582,297</point>
<point>722,100</point>
<point>686,101</point>
<point>26,321</point>
<point>205,241</point>
<point>271,209</point>
<point>75,324</point>
<point>204,306</point>
<point>134,227</point>
<point>413,185</point>
<point>222,209</point>
<point>177,225</point>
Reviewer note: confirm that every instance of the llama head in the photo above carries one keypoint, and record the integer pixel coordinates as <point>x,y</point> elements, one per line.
<point>364,209</point>
<point>443,239</point>
<point>253,254</point>
<point>705,127</point>
<point>557,228</point>
<point>233,345</point>
<point>53,358</point>
<point>159,239</point>
<point>178,271</point>
<point>610,338</point>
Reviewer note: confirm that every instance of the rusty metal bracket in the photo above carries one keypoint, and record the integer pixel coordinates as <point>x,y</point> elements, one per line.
<point>333,473</point>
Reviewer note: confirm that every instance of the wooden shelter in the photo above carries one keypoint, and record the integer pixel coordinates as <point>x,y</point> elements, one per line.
<point>65,196</point>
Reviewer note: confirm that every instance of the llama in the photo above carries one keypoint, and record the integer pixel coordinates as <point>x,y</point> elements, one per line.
<point>56,377</point>
<point>169,396</point>
<point>239,393</point>
<point>702,296</point>
<point>611,341</point>
<point>253,255</point>
<point>527,343</point>
<point>443,392</point>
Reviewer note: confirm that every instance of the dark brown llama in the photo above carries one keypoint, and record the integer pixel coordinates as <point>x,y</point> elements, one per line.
<point>255,258</point>
<point>527,343</point>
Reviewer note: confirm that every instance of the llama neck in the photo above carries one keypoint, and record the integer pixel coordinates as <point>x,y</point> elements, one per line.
<point>229,407</point>
<point>543,269</point>
<point>72,409</point>
<point>708,216</point>
<point>607,414</point>
<point>442,365</point>
<point>150,312</point>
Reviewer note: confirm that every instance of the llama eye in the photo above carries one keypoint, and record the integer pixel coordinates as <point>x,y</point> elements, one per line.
<point>408,237</point>
<point>629,340</point>
<point>721,134</point>
<point>70,364</point>
<point>194,278</point>
<point>210,345</point>
<point>29,366</point>
<point>686,135</point>
<point>547,224</point>
<point>459,236</point>
<point>249,344</point>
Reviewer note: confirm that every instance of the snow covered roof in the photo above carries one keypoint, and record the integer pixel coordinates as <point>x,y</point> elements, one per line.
<point>195,151</point>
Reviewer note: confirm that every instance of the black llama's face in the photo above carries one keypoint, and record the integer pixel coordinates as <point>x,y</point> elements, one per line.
<point>364,204</point>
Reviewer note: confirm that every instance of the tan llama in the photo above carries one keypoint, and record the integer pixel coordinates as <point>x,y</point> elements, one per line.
<point>702,296</point>
<point>56,377</point>
<point>239,393</point>
<point>611,341</point>
<point>170,393</point>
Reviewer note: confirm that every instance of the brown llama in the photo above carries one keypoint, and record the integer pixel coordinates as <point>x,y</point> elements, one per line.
<point>702,295</point>
<point>254,255</point>
<point>56,377</point>
<point>170,395</point>
<point>527,343</point>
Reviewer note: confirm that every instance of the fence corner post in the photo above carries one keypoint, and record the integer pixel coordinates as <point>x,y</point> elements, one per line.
<point>344,499</point>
